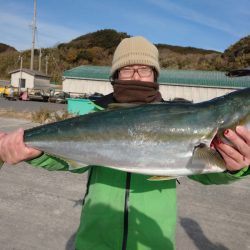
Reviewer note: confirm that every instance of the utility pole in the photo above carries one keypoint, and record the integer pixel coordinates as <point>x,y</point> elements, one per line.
<point>40,59</point>
<point>46,65</point>
<point>33,37</point>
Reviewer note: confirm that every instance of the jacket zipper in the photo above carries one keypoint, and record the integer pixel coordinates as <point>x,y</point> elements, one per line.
<point>126,203</point>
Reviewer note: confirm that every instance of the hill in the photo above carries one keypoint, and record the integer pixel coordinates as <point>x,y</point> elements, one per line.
<point>6,48</point>
<point>238,55</point>
<point>97,48</point>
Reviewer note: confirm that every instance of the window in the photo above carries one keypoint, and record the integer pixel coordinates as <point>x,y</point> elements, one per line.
<point>22,82</point>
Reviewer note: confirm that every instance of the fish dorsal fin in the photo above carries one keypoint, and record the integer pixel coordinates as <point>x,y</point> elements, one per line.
<point>203,155</point>
<point>113,106</point>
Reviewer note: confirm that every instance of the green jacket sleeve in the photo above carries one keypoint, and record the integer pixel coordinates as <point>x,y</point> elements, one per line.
<point>53,163</point>
<point>220,178</point>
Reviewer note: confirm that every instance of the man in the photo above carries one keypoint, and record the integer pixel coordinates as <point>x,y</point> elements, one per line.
<point>123,210</point>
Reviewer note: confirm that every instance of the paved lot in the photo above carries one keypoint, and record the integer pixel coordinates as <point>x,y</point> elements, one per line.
<point>41,209</point>
<point>29,106</point>
<point>38,209</point>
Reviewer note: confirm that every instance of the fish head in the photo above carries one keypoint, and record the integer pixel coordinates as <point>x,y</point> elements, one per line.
<point>235,111</point>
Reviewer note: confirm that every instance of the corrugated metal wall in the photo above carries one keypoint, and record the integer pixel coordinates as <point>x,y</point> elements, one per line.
<point>191,93</point>
<point>168,91</point>
<point>82,86</point>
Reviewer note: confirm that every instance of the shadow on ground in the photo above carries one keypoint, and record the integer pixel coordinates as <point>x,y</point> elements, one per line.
<point>194,231</point>
<point>70,243</point>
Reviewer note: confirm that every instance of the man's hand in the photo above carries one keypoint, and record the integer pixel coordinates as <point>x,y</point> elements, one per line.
<point>238,156</point>
<point>13,150</point>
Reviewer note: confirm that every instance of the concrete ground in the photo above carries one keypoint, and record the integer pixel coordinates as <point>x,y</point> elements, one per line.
<point>26,106</point>
<point>40,209</point>
<point>213,217</point>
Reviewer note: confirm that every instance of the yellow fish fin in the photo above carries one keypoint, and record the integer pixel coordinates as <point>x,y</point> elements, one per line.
<point>161,178</point>
<point>72,164</point>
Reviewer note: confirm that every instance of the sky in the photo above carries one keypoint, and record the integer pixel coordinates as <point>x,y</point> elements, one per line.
<point>213,24</point>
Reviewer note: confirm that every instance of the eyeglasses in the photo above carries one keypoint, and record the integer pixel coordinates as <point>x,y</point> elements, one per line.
<point>129,72</point>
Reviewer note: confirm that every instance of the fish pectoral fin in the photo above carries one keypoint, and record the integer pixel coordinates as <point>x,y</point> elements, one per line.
<point>204,155</point>
<point>161,178</point>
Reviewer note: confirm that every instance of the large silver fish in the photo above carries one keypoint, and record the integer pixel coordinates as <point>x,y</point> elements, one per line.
<point>153,139</point>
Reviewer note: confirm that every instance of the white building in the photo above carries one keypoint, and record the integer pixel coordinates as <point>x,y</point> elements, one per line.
<point>192,85</point>
<point>87,80</point>
<point>29,79</point>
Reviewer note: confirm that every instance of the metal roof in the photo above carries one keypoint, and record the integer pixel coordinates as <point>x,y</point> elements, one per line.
<point>88,72</point>
<point>203,78</point>
<point>30,72</point>
<point>167,76</point>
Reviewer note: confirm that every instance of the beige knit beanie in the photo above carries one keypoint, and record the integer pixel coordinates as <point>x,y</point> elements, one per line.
<point>135,50</point>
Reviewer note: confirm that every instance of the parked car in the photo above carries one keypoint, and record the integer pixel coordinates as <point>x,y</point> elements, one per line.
<point>38,95</point>
<point>59,97</point>
<point>10,93</point>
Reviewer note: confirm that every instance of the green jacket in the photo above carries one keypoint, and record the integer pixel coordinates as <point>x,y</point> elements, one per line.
<point>126,211</point>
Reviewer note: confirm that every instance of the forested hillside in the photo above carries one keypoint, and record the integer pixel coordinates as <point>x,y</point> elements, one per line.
<point>97,48</point>
<point>6,48</point>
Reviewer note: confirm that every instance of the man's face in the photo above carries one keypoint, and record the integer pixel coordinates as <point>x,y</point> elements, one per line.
<point>136,72</point>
